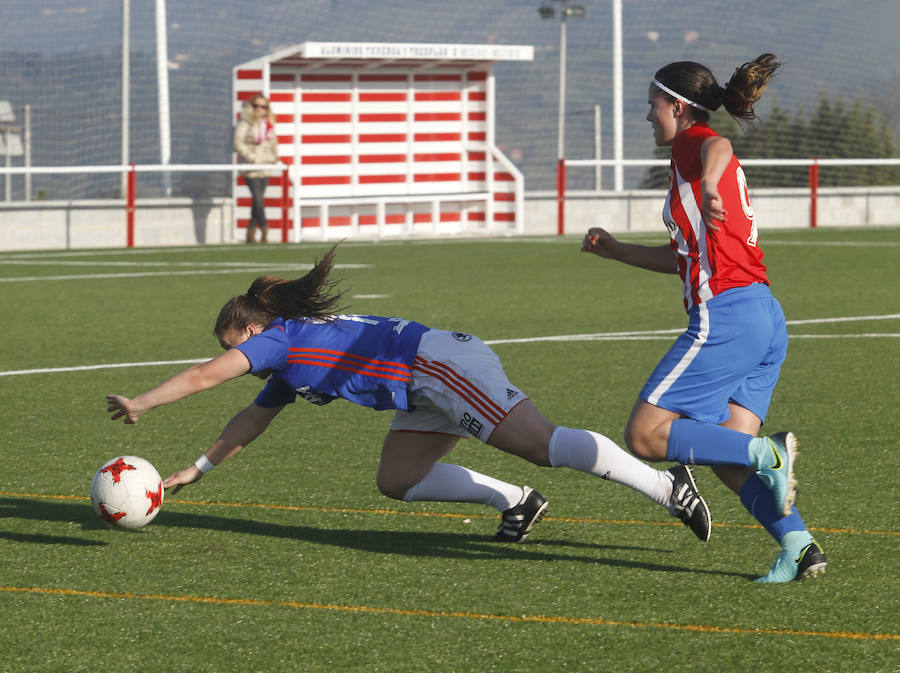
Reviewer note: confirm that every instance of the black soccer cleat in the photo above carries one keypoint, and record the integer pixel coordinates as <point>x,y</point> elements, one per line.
<point>518,521</point>
<point>687,504</point>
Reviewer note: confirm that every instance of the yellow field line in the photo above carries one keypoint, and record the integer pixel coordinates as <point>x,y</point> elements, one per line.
<point>441,515</point>
<point>533,619</point>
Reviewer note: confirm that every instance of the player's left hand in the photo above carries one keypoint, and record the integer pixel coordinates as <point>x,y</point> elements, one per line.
<point>182,478</point>
<point>711,209</point>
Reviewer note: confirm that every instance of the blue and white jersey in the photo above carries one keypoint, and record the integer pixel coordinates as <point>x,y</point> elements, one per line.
<point>365,359</point>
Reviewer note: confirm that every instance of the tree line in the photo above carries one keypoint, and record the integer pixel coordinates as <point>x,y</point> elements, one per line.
<point>833,131</point>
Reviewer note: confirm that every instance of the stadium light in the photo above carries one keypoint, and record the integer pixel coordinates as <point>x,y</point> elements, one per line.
<point>548,11</point>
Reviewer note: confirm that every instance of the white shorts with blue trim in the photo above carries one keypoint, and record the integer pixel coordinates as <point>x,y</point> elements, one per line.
<point>458,387</point>
<point>732,351</point>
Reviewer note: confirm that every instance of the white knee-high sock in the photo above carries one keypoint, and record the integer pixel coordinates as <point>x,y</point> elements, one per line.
<point>596,454</point>
<point>453,483</point>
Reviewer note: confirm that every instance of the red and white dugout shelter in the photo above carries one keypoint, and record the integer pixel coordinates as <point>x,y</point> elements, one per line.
<point>384,139</point>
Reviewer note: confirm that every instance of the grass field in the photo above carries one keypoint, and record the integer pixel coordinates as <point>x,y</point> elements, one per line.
<point>288,559</point>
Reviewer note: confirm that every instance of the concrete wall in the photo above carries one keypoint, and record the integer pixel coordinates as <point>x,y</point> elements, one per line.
<point>641,210</point>
<point>41,225</point>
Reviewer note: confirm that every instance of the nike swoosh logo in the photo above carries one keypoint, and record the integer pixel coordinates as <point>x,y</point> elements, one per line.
<point>778,462</point>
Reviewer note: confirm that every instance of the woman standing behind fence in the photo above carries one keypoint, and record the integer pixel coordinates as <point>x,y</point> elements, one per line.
<point>256,143</point>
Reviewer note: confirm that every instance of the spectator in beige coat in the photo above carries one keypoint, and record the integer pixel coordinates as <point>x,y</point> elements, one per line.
<point>256,143</point>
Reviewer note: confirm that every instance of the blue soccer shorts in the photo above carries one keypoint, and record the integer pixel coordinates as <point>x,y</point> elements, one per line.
<point>732,351</point>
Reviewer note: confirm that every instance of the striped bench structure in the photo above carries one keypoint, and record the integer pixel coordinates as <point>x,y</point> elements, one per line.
<point>383,139</point>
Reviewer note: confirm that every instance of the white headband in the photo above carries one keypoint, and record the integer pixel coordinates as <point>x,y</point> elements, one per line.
<point>679,96</point>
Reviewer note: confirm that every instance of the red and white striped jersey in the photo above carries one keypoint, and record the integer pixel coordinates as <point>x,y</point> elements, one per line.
<point>710,262</point>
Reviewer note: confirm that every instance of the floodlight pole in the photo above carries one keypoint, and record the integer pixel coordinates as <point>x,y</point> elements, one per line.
<point>547,12</point>
<point>561,129</point>
<point>126,89</point>
<point>162,80</point>
<point>561,118</point>
<point>618,128</point>
<point>27,123</point>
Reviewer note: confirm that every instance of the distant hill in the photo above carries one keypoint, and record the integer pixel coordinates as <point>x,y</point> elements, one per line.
<point>62,58</point>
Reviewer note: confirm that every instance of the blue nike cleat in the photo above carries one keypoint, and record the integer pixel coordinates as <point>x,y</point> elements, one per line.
<point>797,561</point>
<point>777,469</point>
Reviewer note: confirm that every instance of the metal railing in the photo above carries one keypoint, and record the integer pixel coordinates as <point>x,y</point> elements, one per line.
<point>814,164</point>
<point>292,203</point>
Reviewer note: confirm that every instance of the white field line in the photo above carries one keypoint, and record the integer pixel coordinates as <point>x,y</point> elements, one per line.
<point>136,263</point>
<point>317,245</point>
<point>833,244</point>
<point>258,268</point>
<point>645,335</point>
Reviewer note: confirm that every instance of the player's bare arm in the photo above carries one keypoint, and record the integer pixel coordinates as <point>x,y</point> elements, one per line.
<point>229,365</point>
<point>715,153</point>
<point>243,428</point>
<point>654,258</point>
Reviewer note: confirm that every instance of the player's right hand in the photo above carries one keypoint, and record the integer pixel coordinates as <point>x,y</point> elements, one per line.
<point>598,241</point>
<point>119,406</point>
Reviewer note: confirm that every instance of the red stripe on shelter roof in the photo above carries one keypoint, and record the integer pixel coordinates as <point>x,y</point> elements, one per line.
<point>437,116</point>
<point>325,78</point>
<point>378,97</point>
<point>326,138</point>
<point>438,95</point>
<point>382,117</point>
<point>381,158</point>
<point>380,179</point>
<point>436,137</point>
<point>324,118</point>
<point>382,78</point>
<point>311,97</point>
<point>382,137</point>
<point>326,159</point>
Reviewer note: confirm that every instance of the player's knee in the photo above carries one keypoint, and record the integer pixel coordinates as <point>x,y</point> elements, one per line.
<point>646,443</point>
<point>391,486</point>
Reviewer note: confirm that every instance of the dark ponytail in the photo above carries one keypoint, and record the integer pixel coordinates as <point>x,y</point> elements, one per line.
<point>696,83</point>
<point>747,85</point>
<point>269,297</point>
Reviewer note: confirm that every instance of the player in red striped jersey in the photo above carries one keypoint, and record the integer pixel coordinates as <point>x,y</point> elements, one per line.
<point>707,399</point>
<point>442,386</point>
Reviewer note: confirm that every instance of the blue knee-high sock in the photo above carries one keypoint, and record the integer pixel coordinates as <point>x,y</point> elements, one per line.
<point>695,443</point>
<point>758,500</point>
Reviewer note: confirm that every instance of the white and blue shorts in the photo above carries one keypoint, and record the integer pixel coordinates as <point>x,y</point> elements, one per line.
<point>458,387</point>
<point>732,351</point>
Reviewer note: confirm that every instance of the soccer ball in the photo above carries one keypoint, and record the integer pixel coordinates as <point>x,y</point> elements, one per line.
<point>127,492</point>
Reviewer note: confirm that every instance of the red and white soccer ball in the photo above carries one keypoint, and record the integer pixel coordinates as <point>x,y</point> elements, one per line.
<point>127,492</point>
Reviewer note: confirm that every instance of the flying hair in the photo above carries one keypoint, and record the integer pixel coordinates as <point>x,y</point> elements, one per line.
<point>313,296</point>
<point>695,84</point>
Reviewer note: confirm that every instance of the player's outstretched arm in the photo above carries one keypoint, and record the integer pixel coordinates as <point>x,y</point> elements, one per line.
<point>655,258</point>
<point>247,425</point>
<point>229,365</point>
<point>715,153</point>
